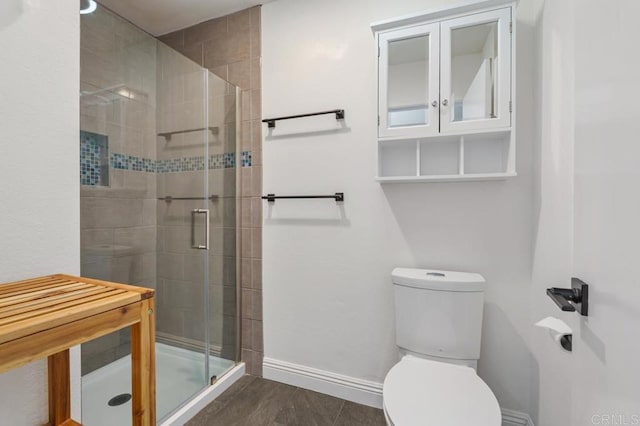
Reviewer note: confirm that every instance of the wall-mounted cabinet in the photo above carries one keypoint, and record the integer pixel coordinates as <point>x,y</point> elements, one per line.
<point>446,94</point>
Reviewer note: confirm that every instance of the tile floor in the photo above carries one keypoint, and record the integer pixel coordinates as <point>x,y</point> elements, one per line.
<point>254,401</point>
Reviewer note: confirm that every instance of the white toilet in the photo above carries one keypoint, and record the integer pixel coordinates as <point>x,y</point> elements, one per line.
<point>438,330</point>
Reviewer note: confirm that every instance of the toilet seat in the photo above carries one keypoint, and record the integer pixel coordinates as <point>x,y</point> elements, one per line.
<point>431,393</point>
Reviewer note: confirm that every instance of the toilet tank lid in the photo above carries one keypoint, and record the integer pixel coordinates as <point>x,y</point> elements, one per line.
<point>432,279</point>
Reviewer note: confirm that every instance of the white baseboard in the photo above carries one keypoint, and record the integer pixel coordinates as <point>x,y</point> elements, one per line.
<point>350,388</point>
<point>207,396</point>
<point>515,418</point>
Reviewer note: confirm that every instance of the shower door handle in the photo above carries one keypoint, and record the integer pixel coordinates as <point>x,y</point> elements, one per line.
<point>194,212</point>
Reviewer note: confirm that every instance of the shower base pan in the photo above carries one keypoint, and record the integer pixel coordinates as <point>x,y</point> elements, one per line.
<point>180,377</point>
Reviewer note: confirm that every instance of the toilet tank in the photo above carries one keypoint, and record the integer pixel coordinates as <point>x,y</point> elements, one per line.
<point>439,313</point>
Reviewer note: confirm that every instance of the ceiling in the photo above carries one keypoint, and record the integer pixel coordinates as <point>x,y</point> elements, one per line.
<point>160,17</point>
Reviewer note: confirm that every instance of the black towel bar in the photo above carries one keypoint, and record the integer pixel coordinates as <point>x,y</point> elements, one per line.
<point>338,196</point>
<point>272,121</point>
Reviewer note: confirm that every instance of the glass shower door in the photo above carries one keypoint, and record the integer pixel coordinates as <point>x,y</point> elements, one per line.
<point>184,208</point>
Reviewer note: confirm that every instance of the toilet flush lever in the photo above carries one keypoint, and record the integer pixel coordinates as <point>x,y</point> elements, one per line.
<point>572,299</point>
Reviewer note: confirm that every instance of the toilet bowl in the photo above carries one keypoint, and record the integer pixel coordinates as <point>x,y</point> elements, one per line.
<point>421,392</point>
<point>438,330</point>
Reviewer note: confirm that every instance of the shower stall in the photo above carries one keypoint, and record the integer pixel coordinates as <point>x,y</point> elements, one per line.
<point>158,209</point>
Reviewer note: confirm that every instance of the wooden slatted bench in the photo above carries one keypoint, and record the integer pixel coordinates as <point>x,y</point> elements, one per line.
<point>44,317</point>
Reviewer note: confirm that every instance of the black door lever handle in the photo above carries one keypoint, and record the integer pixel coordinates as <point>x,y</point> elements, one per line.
<point>562,296</point>
<point>571,299</point>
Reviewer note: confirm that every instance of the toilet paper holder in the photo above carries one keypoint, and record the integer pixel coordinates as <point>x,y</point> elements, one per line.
<point>572,299</point>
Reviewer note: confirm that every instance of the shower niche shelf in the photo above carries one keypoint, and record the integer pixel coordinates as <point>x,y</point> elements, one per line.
<point>446,94</point>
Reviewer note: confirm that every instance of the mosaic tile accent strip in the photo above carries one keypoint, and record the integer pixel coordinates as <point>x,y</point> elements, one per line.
<point>131,162</point>
<point>94,152</point>
<point>222,161</point>
<point>246,158</point>
<point>175,165</point>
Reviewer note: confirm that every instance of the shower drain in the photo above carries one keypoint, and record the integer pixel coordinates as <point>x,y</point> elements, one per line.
<point>119,399</point>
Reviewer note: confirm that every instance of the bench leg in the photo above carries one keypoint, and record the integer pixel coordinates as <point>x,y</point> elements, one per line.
<point>143,370</point>
<point>59,388</point>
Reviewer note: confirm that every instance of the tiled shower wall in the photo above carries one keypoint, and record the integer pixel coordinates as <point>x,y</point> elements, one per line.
<point>230,47</point>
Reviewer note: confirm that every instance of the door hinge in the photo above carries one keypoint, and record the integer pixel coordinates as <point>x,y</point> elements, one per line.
<point>511,27</point>
<point>510,106</point>
<point>378,120</point>
<point>378,51</point>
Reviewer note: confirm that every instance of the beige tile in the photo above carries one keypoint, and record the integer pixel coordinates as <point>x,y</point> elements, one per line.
<point>246,213</point>
<point>256,364</point>
<point>174,39</point>
<point>230,271</point>
<point>256,17</point>
<point>229,297</point>
<point>246,136</point>
<point>149,267</point>
<point>247,332</point>
<point>237,46</point>
<point>256,308</point>
<point>229,217</point>
<point>245,105</point>
<point>230,242</point>
<point>246,185</point>
<point>229,179</point>
<point>256,105</point>
<point>256,142</point>
<point>195,52</point>
<point>255,73</point>
<point>256,181</point>
<point>221,71</point>
<point>216,270</point>
<point>94,237</point>
<point>246,273</point>
<point>127,269</point>
<point>247,304</point>
<point>256,242</point>
<point>214,55</point>
<point>207,30</point>
<point>138,239</point>
<point>256,212</point>
<point>239,21</point>
<point>256,336</point>
<point>255,41</point>
<point>194,268</point>
<point>171,266</point>
<point>240,74</point>
<point>256,274</point>
<point>246,242</point>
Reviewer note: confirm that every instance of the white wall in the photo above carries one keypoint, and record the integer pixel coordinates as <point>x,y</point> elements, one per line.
<point>39,213</point>
<point>328,301</point>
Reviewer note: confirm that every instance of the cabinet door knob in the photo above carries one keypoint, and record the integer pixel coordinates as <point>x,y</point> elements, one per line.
<point>434,104</point>
<point>445,102</point>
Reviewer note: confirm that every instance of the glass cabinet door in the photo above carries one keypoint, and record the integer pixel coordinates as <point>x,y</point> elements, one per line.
<point>408,82</point>
<point>475,91</point>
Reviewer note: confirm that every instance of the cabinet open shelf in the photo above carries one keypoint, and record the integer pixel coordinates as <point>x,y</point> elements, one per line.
<point>447,158</point>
